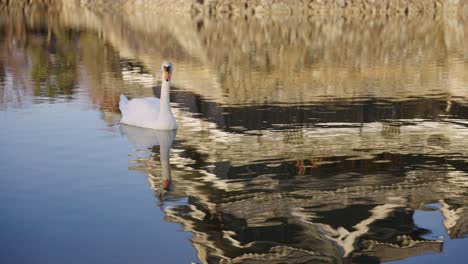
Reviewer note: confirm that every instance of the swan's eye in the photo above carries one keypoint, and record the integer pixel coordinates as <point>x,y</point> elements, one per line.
<point>167,68</point>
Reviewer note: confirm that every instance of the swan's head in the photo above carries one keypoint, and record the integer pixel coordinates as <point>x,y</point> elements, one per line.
<point>167,70</point>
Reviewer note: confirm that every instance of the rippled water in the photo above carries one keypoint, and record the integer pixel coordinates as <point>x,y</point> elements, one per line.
<point>301,140</point>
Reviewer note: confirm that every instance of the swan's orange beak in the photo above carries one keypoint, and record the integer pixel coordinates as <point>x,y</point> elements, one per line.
<point>167,76</point>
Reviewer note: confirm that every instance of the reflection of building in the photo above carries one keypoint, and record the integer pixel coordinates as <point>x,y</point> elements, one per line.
<point>319,58</point>
<point>317,193</point>
<point>281,216</point>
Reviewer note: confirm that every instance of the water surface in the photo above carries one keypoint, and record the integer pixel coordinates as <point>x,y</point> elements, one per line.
<point>320,139</point>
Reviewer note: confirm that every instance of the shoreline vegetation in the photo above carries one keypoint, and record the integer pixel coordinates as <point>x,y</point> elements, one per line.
<point>264,7</point>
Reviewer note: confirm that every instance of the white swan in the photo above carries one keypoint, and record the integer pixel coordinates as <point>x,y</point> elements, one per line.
<point>151,112</point>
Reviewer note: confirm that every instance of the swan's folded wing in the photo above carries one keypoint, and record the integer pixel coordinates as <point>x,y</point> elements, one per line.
<point>141,112</point>
<point>153,100</point>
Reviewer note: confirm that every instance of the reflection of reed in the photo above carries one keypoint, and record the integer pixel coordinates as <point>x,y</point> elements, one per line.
<point>15,78</point>
<point>327,55</point>
<point>51,68</point>
<point>284,59</point>
<point>291,59</point>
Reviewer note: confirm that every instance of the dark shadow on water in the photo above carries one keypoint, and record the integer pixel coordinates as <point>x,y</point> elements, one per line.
<point>345,112</point>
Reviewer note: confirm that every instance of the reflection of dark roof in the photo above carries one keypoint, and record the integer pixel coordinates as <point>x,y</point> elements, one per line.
<point>390,252</point>
<point>460,229</point>
<point>387,243</point>
<point>259,117</point>
<point>283,236</point>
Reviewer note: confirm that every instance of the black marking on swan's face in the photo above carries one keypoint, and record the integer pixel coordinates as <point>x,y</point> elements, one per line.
<point>167,68</point>
<point>167,71</point>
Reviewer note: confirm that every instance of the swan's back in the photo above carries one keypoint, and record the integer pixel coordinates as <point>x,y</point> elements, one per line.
<point>141,112</point>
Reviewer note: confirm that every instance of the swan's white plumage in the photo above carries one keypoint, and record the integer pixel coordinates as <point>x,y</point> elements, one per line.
<point>150,112</point>
<point>140,112</point>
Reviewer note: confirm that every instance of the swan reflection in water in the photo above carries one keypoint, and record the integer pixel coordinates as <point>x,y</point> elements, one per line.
<point>148,138</point>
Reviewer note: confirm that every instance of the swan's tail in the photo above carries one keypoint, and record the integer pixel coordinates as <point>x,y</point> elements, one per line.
<point>123,103</point>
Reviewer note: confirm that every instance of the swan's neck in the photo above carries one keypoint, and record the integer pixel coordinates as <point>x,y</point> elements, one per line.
<point>165,103</point>
<point>165,142</point>
<point>164,151</point>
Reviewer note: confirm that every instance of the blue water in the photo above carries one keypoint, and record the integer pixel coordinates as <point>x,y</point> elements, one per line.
<point>66,201</point>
